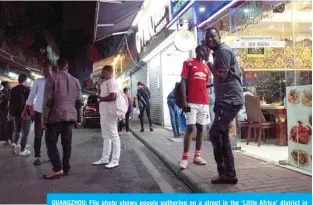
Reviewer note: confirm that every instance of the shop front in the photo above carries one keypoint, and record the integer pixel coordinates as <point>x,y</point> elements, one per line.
<point>273,44</point>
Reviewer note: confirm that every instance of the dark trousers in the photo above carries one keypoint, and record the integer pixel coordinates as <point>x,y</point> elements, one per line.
<point>6,127</point>
<point>219,135</point>
<point>142,110</point>
<point>52,135</point>
<point>175,117</point>
<point>21,126</point>
<point>121,123</point>
<point>38,134</point>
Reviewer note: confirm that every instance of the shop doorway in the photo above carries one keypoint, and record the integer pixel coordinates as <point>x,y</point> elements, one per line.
<point>172,62</point>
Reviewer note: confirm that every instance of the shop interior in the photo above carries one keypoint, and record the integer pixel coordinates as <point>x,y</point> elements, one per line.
<point>267,71</point>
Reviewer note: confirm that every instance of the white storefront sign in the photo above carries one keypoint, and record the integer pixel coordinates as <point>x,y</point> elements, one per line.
<point>151,25</point>
<point>259,44</point>
<point>184,40</point>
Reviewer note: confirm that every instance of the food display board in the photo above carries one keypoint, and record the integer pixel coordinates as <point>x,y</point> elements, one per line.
<point>299,117</point>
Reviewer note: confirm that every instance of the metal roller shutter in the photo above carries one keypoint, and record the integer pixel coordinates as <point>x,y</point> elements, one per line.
<point>140,74</point>
<point>155,86</point>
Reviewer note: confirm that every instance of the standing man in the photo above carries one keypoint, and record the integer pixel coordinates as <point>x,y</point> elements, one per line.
<point>5,124</point>
<point>107,87</point>
<point>143,95</point>
<point>174,113</point>
<point>37,92</point>
<point>61,110</point>
<point>195,76</point>
<point>228,101</point>
<point>21,121</point>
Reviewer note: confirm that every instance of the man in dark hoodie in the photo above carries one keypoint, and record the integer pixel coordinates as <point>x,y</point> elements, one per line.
<point>143,95</point>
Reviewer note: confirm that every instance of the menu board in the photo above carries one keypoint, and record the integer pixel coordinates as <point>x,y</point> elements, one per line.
<point>299,117</point>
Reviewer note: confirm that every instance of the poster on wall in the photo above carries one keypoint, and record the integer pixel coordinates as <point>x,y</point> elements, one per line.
<point>299,115</point>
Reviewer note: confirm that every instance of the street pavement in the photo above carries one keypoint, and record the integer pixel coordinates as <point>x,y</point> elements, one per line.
<point>253,175</point>
<point>140,171</point>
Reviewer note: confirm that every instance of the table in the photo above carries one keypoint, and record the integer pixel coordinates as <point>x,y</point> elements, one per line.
<point>280,115</point>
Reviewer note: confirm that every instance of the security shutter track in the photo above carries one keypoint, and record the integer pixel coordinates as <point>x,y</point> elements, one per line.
<point>155,80</point>
<point>140,75</point>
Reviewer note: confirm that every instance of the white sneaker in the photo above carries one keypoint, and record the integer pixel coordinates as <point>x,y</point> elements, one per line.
<point>183,164</point>
<point>112,165</point>
<point>13,149</point>
<point>101,162</point>
<point>199,161</point>
<point>25,153</point>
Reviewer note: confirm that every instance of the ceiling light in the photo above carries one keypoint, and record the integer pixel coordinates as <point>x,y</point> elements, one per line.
<point>13,75</point>
<point>306,3</point>
<point>246,10</point>
<point>202,9</point>
<point>105,24</point>
<point>272,26</point>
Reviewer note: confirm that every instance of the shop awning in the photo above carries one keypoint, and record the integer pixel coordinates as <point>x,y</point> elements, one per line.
<point>114,17</point>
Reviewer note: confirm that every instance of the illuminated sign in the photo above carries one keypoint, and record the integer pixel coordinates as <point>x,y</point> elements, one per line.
<point>150,26</point>
<point>184,40</point>
<point>177,6</point>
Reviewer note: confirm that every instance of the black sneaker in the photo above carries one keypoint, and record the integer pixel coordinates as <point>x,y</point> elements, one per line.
<point>226,180</point>
<point>142,130</point>
<point>66,173</point>
<point>151,129</point>
<point>37,162</point>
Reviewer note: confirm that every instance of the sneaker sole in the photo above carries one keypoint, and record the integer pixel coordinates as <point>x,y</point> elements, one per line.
<point>199,163</point>
<point>111,167</point>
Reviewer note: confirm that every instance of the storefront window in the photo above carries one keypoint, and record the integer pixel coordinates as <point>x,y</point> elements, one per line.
<point>273,44</point>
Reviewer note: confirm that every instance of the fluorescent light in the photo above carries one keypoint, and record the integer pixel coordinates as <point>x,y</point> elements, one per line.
<point>105,25</point>
<point>217,13</point>
<point>202,9</point>
<point>13,75</point>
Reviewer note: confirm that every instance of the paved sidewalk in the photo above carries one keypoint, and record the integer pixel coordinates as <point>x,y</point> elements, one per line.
<point>253,175</point>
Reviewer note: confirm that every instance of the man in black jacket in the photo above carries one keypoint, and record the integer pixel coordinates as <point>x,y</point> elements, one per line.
<point>143,95</point>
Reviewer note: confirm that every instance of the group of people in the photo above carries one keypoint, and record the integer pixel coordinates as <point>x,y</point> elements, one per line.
<point>57,109</point>
<point>54,104</point>
<point>212,56</point>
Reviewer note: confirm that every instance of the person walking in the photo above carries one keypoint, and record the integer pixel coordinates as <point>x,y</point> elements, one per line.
<point>228,102</point>
<point>21,121</point>
<point>126,92</point>
<point>61,110</point>
<point>143,95</point>
<point>107,87</point>
<point>195,103</point>
<point>5,123</point>
<point>37,92</point>
<point>174,113</point>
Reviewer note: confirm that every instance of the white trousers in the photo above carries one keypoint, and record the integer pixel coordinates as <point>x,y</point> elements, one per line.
<point>110,137</point>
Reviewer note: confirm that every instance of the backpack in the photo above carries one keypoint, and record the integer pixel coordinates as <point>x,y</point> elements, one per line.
<point>119,107</point>
<point>177,91</point>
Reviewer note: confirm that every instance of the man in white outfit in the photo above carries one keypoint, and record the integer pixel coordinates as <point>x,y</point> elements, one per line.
<point>36,97</point>
<point>107,90</point>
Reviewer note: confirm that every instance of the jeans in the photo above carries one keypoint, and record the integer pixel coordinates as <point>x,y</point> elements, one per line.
<point>52,135</point>
<point>38,134</point>
<point>175,118</point>
<point>110,137</point>
<point>142,110</point>
<point>219,135</point>
<point>21,125</point>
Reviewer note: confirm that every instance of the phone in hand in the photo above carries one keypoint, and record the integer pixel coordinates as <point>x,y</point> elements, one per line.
<point>188,109</point>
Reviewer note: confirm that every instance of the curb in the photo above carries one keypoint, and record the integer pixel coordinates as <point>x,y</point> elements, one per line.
<point>193,181</point>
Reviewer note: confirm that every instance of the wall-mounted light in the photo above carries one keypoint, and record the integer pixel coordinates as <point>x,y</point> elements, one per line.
<point>246,10</point>
<point>13,75</point>
<point>202,9</point>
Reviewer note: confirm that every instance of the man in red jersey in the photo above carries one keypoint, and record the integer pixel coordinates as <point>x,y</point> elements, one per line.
<point>195,76</point>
